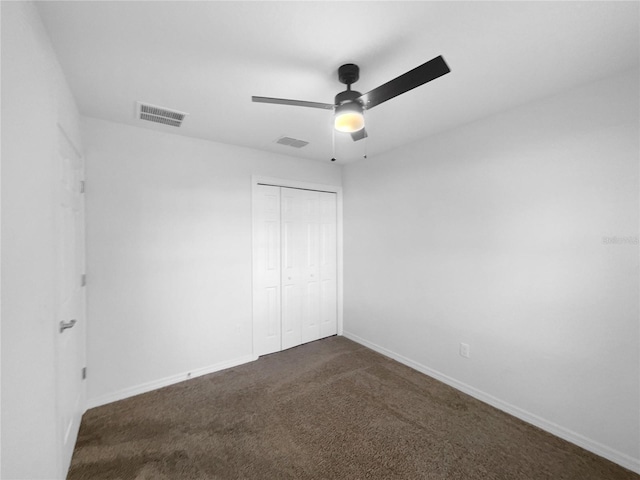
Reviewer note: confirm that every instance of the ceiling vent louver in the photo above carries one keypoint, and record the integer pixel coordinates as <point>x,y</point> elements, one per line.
<point>292,142</point>
<point>153,113</point>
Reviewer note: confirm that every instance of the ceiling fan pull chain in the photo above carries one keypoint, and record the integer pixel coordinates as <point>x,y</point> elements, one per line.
<point>333,144</point>
<point>366,137</point>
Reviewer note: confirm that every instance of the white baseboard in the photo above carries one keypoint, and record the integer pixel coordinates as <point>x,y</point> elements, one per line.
<point>615,456</point>
<point>166,381</point>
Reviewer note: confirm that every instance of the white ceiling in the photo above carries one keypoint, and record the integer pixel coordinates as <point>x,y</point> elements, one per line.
<point>209,58</point>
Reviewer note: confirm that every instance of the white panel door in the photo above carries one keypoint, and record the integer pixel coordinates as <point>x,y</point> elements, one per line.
<point>266,270</point>
<point>328,264</point>
<point>293,257</point>
<point>70,301</point>
<point>295,267</point>
<point>310,279</point>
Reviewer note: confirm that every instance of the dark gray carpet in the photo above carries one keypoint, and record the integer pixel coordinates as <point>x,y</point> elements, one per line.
<point>331,409</point>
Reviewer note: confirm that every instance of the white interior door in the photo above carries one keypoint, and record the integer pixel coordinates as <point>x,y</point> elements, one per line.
<point>296,303</point>
<point>310,279</point>
<point>266,269</point>
<point>328,265</point>
<point>293,257</point>
<point>70,326</point>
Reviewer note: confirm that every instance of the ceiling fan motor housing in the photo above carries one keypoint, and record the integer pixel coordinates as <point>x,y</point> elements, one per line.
<point>348,73</point>
<point>348,96</point>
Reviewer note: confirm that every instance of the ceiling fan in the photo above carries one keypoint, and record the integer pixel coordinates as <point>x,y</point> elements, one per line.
<point>349,105</point>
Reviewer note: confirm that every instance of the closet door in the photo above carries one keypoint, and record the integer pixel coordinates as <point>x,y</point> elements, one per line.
<point>310,319</point>
<point>294,267</point>
<point>328,264</point>
<point>266,270</point>
<point>293,258</point>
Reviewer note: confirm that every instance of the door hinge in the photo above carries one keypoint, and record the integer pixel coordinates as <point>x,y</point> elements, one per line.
<point>83,280</point>
<point>84,373</point>
<point>81,186</point>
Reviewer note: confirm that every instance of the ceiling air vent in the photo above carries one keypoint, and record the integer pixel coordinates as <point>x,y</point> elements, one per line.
<point>292,142</point>
<point>153,113</point>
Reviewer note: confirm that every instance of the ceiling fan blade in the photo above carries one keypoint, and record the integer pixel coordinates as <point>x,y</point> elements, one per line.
<point>413,78</point>
<point>295,103</point>
<point>359,135</point>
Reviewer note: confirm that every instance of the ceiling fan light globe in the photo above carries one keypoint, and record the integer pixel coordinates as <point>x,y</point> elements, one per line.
<point>349,122</point>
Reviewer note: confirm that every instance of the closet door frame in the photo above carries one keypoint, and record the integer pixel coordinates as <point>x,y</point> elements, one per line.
<point>282,182</point>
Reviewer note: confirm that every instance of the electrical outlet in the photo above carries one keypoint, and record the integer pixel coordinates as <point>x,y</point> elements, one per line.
<point>464,350</point>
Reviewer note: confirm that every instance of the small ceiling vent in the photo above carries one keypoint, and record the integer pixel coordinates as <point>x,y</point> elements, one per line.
<point>153,113</point>
<point>292,142</point>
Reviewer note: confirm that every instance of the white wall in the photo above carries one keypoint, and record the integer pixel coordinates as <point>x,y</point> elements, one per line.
<point>492,235</point>
<point>35,98</point>
<point>169,254</point>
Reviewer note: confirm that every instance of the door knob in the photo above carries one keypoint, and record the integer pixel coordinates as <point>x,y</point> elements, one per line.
<point>64,326</point>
